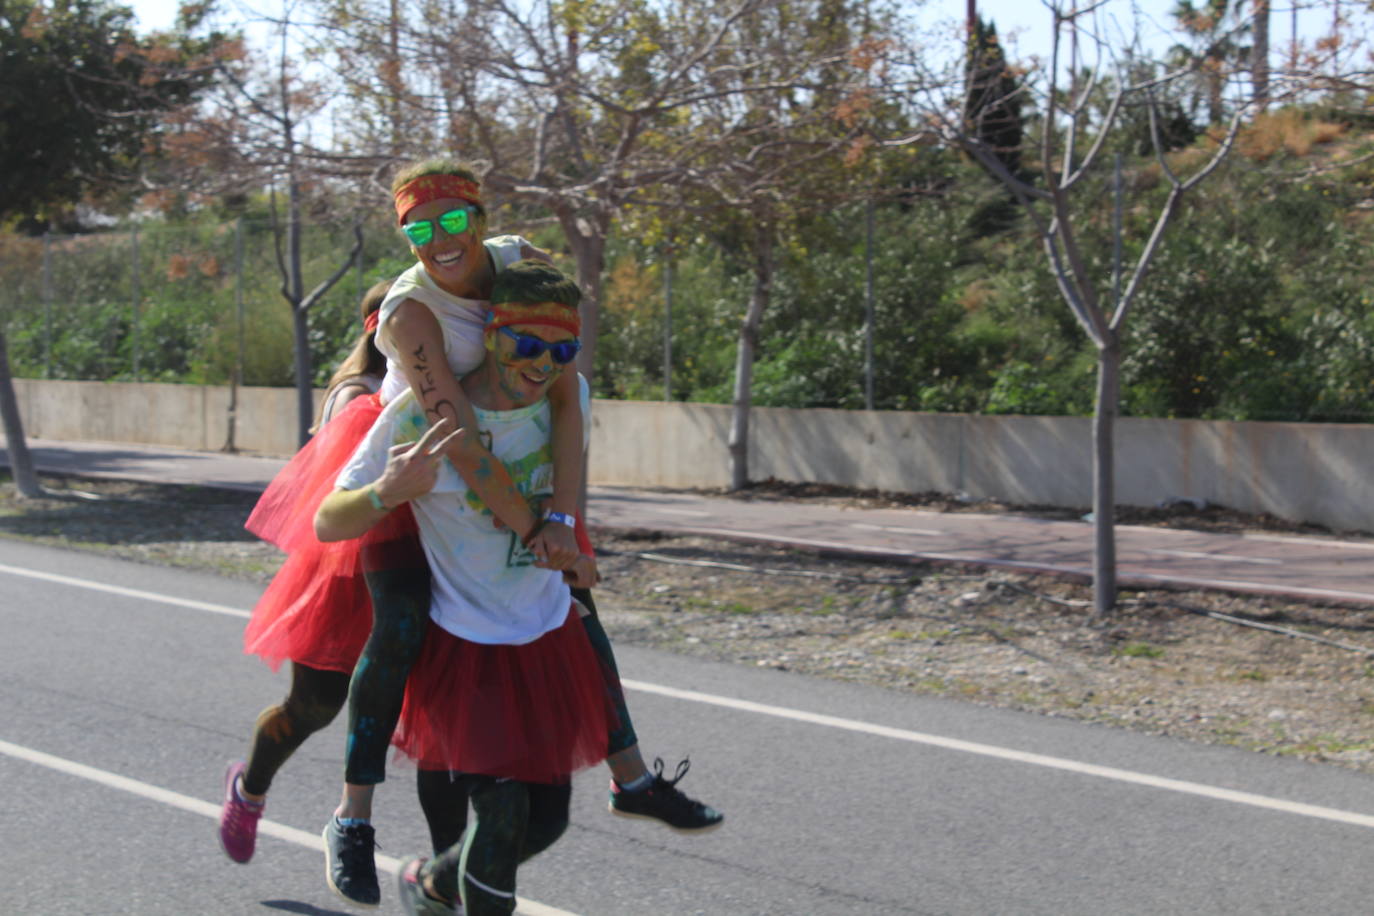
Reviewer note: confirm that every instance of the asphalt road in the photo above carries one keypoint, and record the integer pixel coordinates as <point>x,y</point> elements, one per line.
<point>125,692</point>
<point>1319,569</point>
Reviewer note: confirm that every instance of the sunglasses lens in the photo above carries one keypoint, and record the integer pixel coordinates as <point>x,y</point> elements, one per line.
<point>420,233</point>
<point>565,352</point>
<point>528,347</point>
<point>455,222</point>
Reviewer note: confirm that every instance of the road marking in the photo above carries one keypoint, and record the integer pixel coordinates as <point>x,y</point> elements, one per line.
<point>266,826</point>
<point>867,527</point>
<point>1203,555</point>
<point>126,592</point>
<point>693,512</point>
<point>988,750</point>
<point>1002,753</point>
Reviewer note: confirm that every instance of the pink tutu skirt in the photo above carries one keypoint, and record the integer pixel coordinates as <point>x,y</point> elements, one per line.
<point>317,611</point>
<point>536,712</point>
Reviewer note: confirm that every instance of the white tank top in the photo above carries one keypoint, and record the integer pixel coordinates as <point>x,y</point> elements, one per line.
<point>461,320</point>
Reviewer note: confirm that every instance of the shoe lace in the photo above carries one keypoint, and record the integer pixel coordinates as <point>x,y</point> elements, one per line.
<point>669,786</point>
<point>359,841</point>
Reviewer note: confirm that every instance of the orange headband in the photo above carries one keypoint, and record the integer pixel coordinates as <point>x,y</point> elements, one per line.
<point>434,187</point>
<point>552,314</point>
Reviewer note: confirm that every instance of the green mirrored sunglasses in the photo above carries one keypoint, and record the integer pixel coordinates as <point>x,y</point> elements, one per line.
<point>454,222</point>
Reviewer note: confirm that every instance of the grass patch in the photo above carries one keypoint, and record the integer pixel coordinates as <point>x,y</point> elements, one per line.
<point>1138,650</point>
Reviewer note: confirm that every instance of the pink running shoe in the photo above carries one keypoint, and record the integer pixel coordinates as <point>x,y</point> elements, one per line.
<point>238,819</point>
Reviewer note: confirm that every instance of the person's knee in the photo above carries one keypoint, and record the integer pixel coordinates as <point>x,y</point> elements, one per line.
<point>503,812</point>
<point>548,817</point>
<point>543,833</point>
<point>311,715</point>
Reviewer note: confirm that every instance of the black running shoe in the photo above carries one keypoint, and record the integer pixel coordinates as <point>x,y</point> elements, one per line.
<point>662,801</point>
<point>349,866</point>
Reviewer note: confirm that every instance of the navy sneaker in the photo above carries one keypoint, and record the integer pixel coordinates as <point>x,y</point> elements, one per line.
<point>349,866</point>
<point>662,801</point>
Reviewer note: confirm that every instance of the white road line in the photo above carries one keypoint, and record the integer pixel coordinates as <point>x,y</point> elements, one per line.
<point>1002,753</point>
<point>698,513</point>
<point>1223,557</point>
<point>126,592</point>
<point>865,526</point>
<point>266,826</point>
<point>798,715</point>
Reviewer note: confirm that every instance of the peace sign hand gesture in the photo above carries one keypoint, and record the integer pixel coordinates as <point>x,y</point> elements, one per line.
<point>412,469</point>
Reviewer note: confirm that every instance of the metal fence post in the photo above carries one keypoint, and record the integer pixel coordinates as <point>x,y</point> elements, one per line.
<point>138,297</point>
<point>668,328</point>
<point>236,377</point>
<point>47,305</point>
<point>868,307</point>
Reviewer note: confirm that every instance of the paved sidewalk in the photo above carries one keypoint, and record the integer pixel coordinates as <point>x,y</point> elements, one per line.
<point>1318,569</point>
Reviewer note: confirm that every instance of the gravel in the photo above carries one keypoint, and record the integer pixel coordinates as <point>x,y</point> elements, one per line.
<point>1165,662</point>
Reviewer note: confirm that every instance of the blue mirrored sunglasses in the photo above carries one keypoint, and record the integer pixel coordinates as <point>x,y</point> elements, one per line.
<point>529,347</point>
<point>454,222</point>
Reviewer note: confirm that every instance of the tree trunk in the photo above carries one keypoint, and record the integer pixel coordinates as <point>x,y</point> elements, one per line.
<point>1104,478</point>
<point>744,358</point>
<point>587,237</point>
<point>21,462</point>
<point>305,391</point>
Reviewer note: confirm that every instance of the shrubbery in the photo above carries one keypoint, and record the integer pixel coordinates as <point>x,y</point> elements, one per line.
<point>1257,306</point>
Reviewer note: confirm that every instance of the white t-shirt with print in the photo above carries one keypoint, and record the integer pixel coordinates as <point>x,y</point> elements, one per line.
<point>461,320</point>
<point>486,588</point>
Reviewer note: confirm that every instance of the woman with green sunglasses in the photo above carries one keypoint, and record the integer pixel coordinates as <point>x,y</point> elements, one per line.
<point>431,331</point>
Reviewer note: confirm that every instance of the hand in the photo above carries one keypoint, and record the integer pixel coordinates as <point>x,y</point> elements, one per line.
<point>412,469</point>
<point>582,573</point>
<point>555,546</point>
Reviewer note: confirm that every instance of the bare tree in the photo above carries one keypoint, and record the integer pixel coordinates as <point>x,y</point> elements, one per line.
<point>578,109</point>
<point>1073,144</point>
<point>256,134</point>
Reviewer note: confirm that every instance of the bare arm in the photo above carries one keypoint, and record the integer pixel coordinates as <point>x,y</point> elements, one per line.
<point>411,471</point>
<point>529,251</point>
<point>416,334</point>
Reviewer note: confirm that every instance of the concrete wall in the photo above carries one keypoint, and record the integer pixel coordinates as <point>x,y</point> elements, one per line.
<point>180,416</point>
<point>1300,471</point>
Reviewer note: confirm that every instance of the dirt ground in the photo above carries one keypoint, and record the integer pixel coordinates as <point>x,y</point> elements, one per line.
<point>1273,676</point>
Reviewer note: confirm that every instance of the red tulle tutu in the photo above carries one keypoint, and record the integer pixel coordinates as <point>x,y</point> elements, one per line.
<point>536,712</point>
<point>285,514</point>
<point>317,610</point>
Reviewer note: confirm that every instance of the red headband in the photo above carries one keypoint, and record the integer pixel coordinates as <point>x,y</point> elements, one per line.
<point>552,314</point>
<point>370,322</point>
<point>434,187</point>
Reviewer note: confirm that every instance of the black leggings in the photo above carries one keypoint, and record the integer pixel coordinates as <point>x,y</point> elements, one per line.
<point>314,700</point>
<point>398,578</point>
<point>512,821</point>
